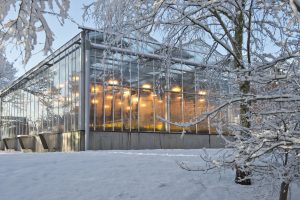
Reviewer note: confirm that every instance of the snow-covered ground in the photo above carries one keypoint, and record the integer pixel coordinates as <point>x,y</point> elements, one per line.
<point>107,175</point>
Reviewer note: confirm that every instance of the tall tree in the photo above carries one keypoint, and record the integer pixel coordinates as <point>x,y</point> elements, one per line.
<point>261,40</point>
<point>244,86</point>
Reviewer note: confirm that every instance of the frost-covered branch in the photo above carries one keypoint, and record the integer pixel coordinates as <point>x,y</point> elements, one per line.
<point>7,71</point>
<point>259,46</point>
<point>23,27</point>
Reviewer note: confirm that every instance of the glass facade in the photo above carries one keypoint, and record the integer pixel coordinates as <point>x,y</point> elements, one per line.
<point>47,100</point>
<point>133,84</point>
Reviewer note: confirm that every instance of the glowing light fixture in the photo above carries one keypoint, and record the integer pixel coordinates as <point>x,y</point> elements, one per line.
<point>159,126</point>
<point>106,106</point>
<point>94,89</point>
<point>75,78</point>
<point>94,101</point>
<point>202,100</point>
<point>143,105</point>
<point>113,82</point>
<point>135,99</point>
<point>176,89</point>
<point>128,108</point>
<point>146,86</point>
<point>202,92</point>
<point>126,93</point>
<point>109,97</point>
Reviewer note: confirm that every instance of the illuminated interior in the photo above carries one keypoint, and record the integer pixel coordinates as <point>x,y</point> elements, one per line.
<point>131,88</point>
<point>131,92</point>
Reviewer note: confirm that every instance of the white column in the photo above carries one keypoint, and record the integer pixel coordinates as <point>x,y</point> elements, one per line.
<point>87,94</point>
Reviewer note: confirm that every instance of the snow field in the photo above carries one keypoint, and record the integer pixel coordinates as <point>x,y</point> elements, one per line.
<point>110,175</point>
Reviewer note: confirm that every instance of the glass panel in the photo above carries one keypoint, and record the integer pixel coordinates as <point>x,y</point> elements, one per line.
<point>159,94</point>
<point>55,96</point>
<point>126,94</point>
<point>176,110</point>
<point>99,106</point>
<point>146,111</point>
<point>146,108</point>
<point>77,83</point>
<point>62,95</point>
<point>68,93</point>
<point>108,109</point>
<point>74,87</point>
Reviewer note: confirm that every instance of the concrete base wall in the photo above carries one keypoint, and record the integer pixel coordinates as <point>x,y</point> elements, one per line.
<point>11,144</point>
<point>45,142</point>
<point>30,143</point>
<point>74,141</point>
<point>117,140</point>
<point>2,145</point>
<point>51,141</point>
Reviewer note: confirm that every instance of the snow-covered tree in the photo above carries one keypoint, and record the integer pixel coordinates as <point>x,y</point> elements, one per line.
<point>260,38</point>
<point>22,20</point>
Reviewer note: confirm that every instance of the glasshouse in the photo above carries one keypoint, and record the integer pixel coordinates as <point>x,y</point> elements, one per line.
<point>104,91</point>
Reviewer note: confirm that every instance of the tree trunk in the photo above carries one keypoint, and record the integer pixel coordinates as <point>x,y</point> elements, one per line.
<point>284,189</point>
<point>241,177</point>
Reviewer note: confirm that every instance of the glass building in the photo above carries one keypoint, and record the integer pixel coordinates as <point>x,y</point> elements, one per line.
<point>103,83</point>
